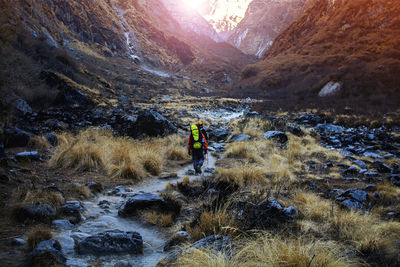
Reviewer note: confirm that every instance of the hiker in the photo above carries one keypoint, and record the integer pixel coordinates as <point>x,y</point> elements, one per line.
<point>197,145</point>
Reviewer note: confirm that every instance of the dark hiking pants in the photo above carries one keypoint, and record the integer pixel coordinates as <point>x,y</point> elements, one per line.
<point>198,158</point>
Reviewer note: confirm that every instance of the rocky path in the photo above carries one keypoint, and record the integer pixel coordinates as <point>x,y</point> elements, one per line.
<point>101,215</point>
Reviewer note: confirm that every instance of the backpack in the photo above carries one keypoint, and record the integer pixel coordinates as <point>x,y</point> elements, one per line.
<point>197,137</point>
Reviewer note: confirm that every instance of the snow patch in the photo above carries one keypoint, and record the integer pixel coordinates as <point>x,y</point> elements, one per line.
<point>240,38</point>
<point>330,89</point>
<point>156,72</point>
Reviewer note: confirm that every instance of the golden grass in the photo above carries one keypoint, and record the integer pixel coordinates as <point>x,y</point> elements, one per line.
<point>77,191</point>
<point>210,223</point>
<point>242,175</point>
<point>272,251</point>
<point>95,149</point>
<point>23,196</point>
<point>37,235</point>
<point>39,142</point>
<point>258,157</point>
<point>155,218</point>
<point>364,231</point>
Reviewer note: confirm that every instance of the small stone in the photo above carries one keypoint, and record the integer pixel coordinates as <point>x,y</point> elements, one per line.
<point>168,176</point>
<point>27,155</point>
<point>370,187</point>
<point>360,164</point>
<point>62,224</point>
<point>18,242</point>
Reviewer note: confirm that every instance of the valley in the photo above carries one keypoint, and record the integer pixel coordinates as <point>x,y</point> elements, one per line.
<point>299,100</point>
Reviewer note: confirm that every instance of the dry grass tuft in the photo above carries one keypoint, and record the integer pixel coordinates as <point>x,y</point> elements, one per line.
<point>210,223</point>
<point>274,251</point>
<point>242,175</point>
<point>37,235</point>
<point>155,218</point>
<point>39,142</point>
<point>95,149</point>
<point>24,196</point>
<point>77,191</point>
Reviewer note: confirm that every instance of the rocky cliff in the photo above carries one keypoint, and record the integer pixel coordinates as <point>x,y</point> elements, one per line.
<point>352,44</point>
<point>263,21</point>
<point>224,15</point>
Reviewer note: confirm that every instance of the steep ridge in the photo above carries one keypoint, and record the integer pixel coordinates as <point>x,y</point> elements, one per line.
<point>354,44</point>
<point>104,49</point>
<point>263,21</point>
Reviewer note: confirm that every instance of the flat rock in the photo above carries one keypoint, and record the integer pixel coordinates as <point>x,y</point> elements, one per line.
<point>27,155</point>
<point>239,138</point>
<point>111,242</point>
<point>141,202</point>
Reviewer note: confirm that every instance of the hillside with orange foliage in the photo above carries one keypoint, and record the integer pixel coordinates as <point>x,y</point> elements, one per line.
<point>355,43</point>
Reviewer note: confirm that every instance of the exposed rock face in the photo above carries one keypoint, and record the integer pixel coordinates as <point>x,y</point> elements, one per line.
<point>224,15</point>
<point>354,43</point>
<point>263,21</point>
<point>190,20</point>
<point>112,242</point>
<point>152,123</point>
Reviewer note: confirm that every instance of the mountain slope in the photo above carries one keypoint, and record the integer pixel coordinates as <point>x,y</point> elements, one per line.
<point>354,43</point>
<point>263,21</point>
<point>104,49</point>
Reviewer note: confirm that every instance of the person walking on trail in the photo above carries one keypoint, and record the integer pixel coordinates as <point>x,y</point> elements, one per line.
<point>197,145</point>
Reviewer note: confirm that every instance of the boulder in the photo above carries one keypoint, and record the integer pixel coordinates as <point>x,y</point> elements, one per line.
<point>296,130</point>
<point>309,119</point>
<point>111,242</point>
<point>72,208</point>
<point>47,253</point>
<point>22,106</point>
<point>383,168</point>
<point>395,179</point>
<point>141,202</point>
<point>329,129</point>
<point>278,136</point>
<point>151,123</point>
<point>41,212</point>
<point>218,134</point>
<point>177,239</point>
<point>15,137</point>
<point>239,137</point>
<point>353,199</point>
<point>351,171</point>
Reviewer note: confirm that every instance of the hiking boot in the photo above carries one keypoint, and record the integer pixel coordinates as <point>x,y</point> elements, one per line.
<point>198,169</point>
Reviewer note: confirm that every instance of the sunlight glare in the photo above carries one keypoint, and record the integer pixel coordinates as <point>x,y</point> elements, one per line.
<point>193,4</point>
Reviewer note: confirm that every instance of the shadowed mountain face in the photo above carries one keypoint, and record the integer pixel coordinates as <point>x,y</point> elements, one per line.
<point>354,44</point>
<point>263,21</point>
<point>105,47</point>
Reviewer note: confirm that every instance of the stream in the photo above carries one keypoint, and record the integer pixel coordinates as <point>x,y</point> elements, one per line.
<point>98,219</point>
